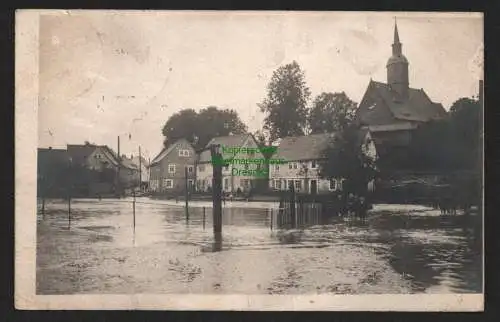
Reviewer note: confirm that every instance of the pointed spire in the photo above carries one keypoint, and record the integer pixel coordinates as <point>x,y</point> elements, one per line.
<point>396,35</point>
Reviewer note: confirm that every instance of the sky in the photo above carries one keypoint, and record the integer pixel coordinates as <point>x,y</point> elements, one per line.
<point>104,74</point>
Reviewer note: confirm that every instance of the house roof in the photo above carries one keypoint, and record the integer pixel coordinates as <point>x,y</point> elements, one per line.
<point>230,141</point>
<point>309,147</point>
<point>79,153</point>
<point>165,151</point>
<point>51,157</point>
<point>418,107</point>
<point>129,164</point>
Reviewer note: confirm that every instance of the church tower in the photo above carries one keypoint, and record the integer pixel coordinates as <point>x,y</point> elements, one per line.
<point>397,69</point>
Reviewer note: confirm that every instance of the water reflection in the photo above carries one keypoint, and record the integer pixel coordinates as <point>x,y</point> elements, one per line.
<point>394,251</point>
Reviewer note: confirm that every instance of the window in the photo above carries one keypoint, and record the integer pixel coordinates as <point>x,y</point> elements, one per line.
<point>298,184</point>
<point>313,164</point>
<point>190,169</point>
<point>226,183</point>
<point>333,185</point>
<point>276,167</point>
<point>290,184</point>
<point>290,166</point>
<point>190,184</point>
<point>183,153</point>
<point>171,168</point>
<point>295,165</point>
<point>245,183</point>
<point>277,184</point>
<point>169,183</point>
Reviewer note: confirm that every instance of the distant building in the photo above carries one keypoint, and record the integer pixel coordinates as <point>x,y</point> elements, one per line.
<point>236,175</point>
<point>93,157</point>
<point>303,155</point>
<point>167,170</point>
<point>96,169</point>
<point>393,110</point>
<point>129,173</point>
<point>52,170</point>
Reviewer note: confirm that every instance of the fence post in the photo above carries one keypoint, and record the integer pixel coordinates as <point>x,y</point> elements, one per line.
<point>272,217</point>
<point>133,211</point>
<point>186,193</point>
<point>43,207</point>
<point>69,211</point>
<point>204,216</point>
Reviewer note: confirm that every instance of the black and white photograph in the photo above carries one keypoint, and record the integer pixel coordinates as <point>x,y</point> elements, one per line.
<point>249,160</point>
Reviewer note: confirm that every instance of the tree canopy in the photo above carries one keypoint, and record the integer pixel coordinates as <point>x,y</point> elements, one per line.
<point>199,128</point>
<point>286,102</point>
<point>331,112</point>
<point>346,159</point>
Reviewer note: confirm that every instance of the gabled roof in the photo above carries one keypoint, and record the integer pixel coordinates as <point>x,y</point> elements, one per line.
<point>79,153</point>
<point>129,164</point>
<point>418,107</point>
<point>166,151</point>
<point>230,141</point>
<point>309,147</point>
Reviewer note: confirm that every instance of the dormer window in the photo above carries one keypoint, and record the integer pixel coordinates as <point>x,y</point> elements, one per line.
<point>183,153</point>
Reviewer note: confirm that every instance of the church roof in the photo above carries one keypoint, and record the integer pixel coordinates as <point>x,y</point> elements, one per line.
<point>418,107</point>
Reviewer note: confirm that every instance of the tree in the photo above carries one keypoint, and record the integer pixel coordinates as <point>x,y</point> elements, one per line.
<point>213,122</point>
<point>331,112</point>
<point>286,102</point>
<point>346,158</point>
<point>465,126</point>
<point>200,128</point>
<point>182,124</point>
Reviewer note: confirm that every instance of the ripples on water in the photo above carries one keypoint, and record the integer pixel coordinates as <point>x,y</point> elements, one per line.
<point>396,251</point>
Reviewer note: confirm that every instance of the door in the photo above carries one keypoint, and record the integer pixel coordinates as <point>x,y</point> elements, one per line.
<point>314,187</point>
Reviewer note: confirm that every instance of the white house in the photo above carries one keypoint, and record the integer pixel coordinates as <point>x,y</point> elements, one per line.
<point>246,167</point>
<point>302,155</point>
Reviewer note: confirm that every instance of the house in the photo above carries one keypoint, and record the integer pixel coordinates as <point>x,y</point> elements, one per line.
<point>93,157</point>
<point>302,156</point>
<point>143,165</point>
<point>393,110</point>
<point>244,171</point>
<point>96,169</point>
<point>167,170</point>
<point>129,172</point>
<point>52,166</point>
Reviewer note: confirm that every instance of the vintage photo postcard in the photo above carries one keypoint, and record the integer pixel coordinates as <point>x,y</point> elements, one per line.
<point>249,160</point>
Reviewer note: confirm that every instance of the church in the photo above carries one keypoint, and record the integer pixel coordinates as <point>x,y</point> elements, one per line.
<point>392,110</point>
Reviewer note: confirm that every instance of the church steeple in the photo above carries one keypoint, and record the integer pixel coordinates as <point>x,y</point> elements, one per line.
<point>396,45</point>
<point>397,68</point>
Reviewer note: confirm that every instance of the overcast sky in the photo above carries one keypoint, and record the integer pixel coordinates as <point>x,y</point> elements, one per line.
<point>104,75</point>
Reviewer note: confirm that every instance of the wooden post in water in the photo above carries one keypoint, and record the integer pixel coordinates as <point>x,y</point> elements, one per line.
<point>204,216</point>
<point>69,211</point>
<point>186,193</point>
<point>272,218</point>
<point>292,207</point>
<point>217,188</point>
<point>133,211</point>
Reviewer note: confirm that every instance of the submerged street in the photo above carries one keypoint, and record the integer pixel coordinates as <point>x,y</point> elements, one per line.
<point>400,249</point>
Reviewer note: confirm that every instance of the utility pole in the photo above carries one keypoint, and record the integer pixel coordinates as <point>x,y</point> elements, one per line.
<point>118,170</point>
<point>186,193</point>
<point>140,170</point>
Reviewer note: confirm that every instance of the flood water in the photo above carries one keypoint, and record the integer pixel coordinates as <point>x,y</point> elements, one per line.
<point>399,249</point>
